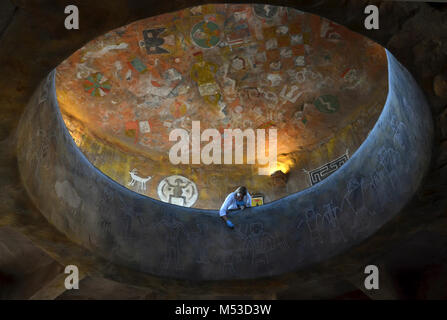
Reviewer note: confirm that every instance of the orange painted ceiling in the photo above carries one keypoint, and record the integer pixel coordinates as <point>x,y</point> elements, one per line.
<point>227,66</point>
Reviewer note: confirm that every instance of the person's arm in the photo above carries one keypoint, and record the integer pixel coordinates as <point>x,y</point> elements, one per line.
<point>224,208</point>
<point>225,205</point>
<point>248,201</point>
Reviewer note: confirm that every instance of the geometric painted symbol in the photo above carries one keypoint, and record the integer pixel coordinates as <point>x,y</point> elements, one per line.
<point>178,190</point>
<point>145,127</point>
<point>205,34</point>
<point>327,169</point>
<point>152,42</point>
<point>97,85</point>
<point>265,11</point>
<point>327,104</point>
<point>138,65</point>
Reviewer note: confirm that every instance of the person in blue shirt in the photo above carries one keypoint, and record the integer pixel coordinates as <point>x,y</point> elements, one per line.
<point>239,199</point>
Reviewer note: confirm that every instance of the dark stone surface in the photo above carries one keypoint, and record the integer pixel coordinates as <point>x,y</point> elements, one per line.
<point>7,10</point>
<point>94,288</point>
<point>24,268</point>
<point>442,125</point>
<point>440,85</point>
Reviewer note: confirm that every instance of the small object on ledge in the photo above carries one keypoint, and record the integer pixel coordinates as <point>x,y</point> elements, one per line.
<point>279,178</point>
<point>257,199</point>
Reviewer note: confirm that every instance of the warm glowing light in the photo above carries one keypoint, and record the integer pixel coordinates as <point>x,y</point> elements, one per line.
<point>284,167</point>
<point>284,163</point>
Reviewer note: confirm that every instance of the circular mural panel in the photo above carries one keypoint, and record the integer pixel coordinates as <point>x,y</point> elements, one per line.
<point>205,34</point>
<point>178,190</point>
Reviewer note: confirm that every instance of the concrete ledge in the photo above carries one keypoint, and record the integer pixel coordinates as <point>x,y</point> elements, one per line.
<point>285,235</point>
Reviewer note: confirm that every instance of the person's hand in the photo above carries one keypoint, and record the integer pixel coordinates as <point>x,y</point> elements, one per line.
<point>230,224</point>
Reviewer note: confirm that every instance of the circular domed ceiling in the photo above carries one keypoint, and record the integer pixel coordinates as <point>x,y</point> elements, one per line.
<point>151,104</point>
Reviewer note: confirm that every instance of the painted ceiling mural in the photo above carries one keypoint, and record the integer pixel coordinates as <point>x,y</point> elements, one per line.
<point>318,84</point>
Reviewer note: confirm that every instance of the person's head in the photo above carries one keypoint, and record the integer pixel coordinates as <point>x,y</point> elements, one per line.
<point>240,193</point>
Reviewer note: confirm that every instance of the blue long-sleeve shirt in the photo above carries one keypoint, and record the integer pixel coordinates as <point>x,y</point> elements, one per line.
<point>231,203</point>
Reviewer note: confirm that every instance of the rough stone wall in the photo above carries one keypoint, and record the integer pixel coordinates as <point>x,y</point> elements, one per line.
<point>412,242</point>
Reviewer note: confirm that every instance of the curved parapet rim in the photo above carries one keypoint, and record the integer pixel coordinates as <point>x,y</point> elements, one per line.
<point>167,240</point>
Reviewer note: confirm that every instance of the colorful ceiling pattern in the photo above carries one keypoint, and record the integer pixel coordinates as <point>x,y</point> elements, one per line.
<point>228,66</point>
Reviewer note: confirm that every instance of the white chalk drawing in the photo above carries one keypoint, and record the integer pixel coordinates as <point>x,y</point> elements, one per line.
<point>67,192</point>
<point>290,96</point>
<point>304,75</point>
<point>118,68</point>
<point>269,96</point>
<point>39,157</point>
<point>313,221</point>
<point>258,244</point>
<point>274,79</point>
<point>194,236</point>
<point>105,224</point>
<point>104,50</point>
<point>388,159</point>
<point>271,44</point>
<point>265,11</point>
<point>400,136</point>
<point>141,182</point>
<point>178,190</point>
<point>258,248</point>
<point>330,216</point>
<point>124,215</point>
<point>144,126</point>
<point>323,223</point>
<point>354,199</point>
<point>351,79</point>
<point>327,31</point>
<point>296,39</point>
<point>300,61</point>
<point>361,200</point>
<point>321,173</point>
<point>172,75</point>
<point>129,75</point>
<point>46,88</point>
<point>229,84</point>
<point>83,71</point>
<point>173,233</point>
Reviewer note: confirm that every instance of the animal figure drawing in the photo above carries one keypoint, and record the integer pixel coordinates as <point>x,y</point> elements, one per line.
<point>141,182</point>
